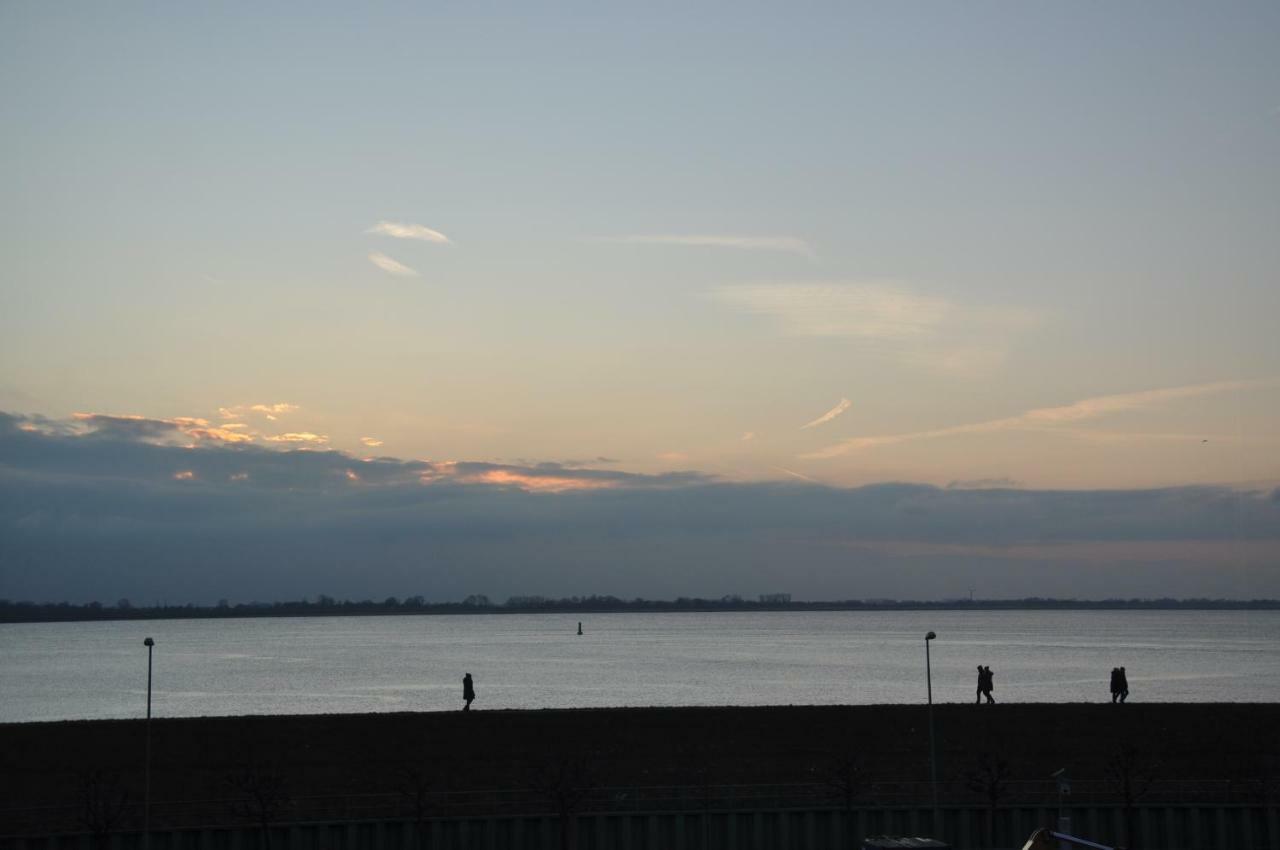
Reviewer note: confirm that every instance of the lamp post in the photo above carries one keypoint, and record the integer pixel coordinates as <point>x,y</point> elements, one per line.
<point>933,752</point>
<point>146,788</point>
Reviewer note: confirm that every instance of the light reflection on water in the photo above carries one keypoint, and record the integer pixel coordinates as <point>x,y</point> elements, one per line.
<point>415,663</point>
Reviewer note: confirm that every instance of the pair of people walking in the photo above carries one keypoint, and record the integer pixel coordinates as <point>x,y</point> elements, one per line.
<point>986,684</point>
<point>1119,685</point>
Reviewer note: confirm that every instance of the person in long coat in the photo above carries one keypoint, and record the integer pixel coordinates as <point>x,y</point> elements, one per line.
<point>1115,684</point>
<point>1124,685</point>
<point>468,691</point>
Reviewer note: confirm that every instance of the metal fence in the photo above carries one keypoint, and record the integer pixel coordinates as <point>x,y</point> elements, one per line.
<point>419,804</point>
<point>1208,827</point>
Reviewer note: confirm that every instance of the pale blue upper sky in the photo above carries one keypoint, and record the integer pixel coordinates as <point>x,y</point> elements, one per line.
<point>948,214</point>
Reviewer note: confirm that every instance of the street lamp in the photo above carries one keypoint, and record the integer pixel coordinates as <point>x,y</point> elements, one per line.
<point>150,644</point>
<point>933,752</point>
<point>146,793</point>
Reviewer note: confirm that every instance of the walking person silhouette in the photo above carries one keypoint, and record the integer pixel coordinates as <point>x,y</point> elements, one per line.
<point>468,691</point>
<point>1124,685</point>
<point>1115,684</point>
<point>984,685</point>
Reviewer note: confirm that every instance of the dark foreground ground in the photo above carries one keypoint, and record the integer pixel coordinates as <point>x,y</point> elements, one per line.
<point>75,766</point>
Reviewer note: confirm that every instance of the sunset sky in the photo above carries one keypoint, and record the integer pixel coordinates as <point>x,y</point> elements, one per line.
<point>651,249</point>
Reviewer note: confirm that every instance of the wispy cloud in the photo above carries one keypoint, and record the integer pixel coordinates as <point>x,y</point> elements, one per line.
<point>1057,419</point>
<point>795,474</point>
<point>748,436</point>
<point>1095,435</point>
<point>371,442</point>
<point>402,230</point>
<point>985,484</point>
<point>783,244</point>
<point>271,411</point>
<point>298,437</point>
<point>917,329</point>
<point>844,405</point>
<point>868,311</point>
<point>390,266</point>
<point>280,407</point>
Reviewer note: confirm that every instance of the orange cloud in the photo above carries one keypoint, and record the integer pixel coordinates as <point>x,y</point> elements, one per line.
<point>220,435</point>
<point>125,417</point>
<point>535,483</point>
<point>513,477</point>
<point>161,430</point>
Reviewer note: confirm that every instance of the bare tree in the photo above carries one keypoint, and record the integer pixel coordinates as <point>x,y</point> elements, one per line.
<point>104,804</point>
<point>262,797</point>
<point>1257,773</point>
<point>565,783</point>
<point>415,792</point>
<point>696,758</point>
<point>989,778</point>
<point>1133,774</point>
<point>845,780</point>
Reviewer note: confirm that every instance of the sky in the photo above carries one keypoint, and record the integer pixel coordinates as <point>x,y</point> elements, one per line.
<point>845,283</point>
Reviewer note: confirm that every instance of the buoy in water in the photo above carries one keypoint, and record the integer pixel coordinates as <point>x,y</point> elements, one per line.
<point>579,627</point>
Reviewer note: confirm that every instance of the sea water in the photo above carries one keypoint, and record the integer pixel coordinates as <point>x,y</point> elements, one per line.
<point>53,671</point>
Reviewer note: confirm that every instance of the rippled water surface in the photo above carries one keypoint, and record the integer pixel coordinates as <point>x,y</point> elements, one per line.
<point>350,664</point>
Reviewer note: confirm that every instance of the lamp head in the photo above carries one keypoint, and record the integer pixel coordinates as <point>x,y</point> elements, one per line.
<point>930,636</point>
<point>148,642</point>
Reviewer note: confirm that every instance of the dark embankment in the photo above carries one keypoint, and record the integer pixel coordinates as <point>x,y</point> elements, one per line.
<point>200,759</point>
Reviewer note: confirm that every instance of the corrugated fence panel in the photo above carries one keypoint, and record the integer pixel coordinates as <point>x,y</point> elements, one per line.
<point>1165,827</point>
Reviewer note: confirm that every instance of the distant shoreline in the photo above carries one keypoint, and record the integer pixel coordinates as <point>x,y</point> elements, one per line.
<point>30,612</point>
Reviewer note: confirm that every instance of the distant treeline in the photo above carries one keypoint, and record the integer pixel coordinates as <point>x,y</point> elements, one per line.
<point>322,606</point>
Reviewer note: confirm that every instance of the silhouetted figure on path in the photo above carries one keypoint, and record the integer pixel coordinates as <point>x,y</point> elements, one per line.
<point>1124,685</point>
<point>579,627</point>
<point>1115,684</point>
<point>468,691</point>
<point>984,684</point>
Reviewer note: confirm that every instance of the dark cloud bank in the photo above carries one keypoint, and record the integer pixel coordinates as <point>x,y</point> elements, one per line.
<point>118,507</point>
